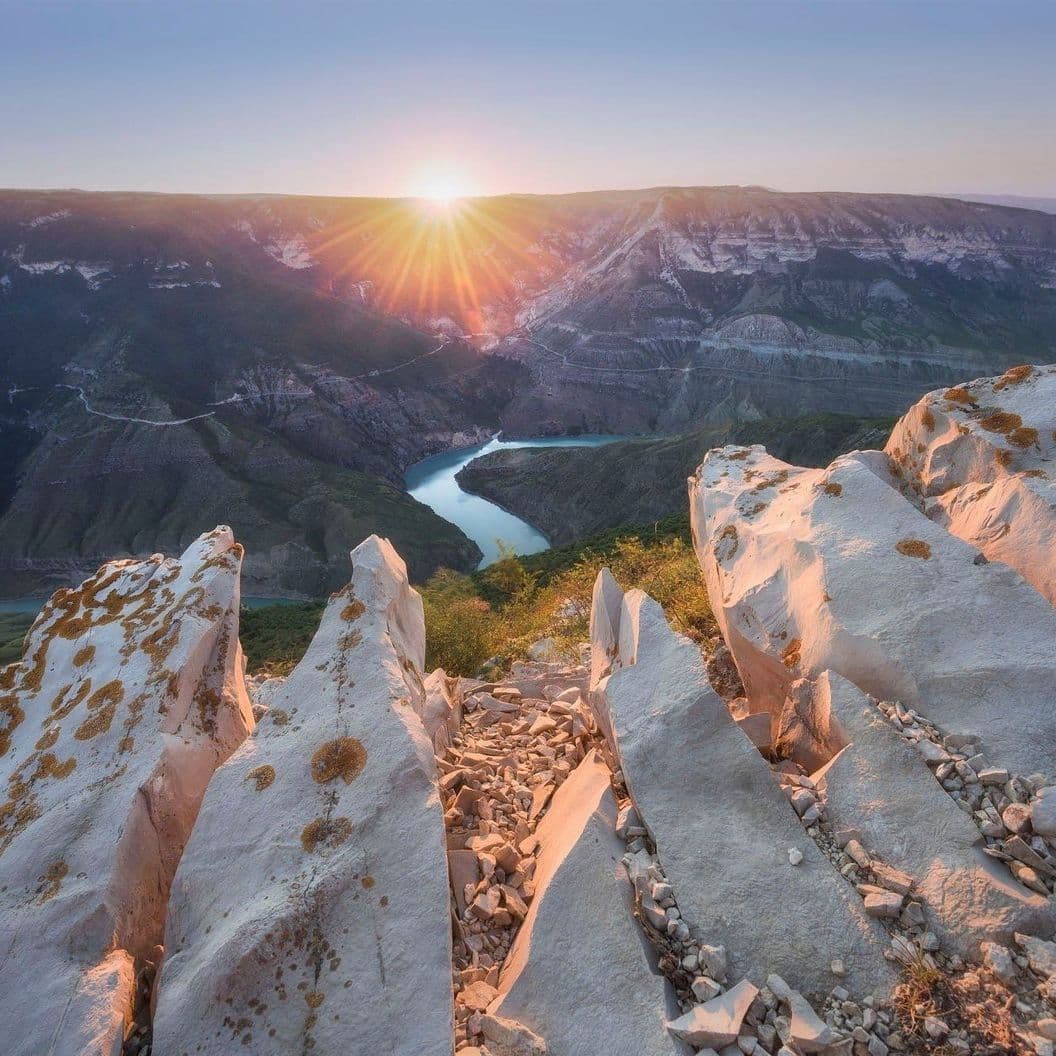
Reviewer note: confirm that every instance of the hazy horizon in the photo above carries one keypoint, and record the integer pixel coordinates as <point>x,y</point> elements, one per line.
<point>373,100</point>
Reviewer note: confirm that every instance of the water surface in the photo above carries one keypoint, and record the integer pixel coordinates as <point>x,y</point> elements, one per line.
<point>432,482</point>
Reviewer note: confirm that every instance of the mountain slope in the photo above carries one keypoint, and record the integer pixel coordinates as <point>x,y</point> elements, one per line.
<point>569,493</point>
<point>300,340</point>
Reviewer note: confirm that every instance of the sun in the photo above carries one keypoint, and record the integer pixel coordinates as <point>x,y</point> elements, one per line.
<point>441,185</point>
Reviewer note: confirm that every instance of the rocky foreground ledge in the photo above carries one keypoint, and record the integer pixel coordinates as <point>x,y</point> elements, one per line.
<point>834,835</point>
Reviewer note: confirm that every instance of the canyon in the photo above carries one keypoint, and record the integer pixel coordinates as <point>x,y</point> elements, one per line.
<point>831,832</point>
<point>277,363</point>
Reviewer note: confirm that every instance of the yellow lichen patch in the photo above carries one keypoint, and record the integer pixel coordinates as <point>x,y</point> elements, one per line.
<point>46,740</point>
<point>313,999</point>
<point>60,710</point>
<point>1000,422</point>
<point>51,881</point>
<point>261,776</point>
<point>1004,458</point>
<point>1013,376</point>
<point>738,456</point>
<point>49,766</point>
<point>928,419</point>
<point>833,488</point>
<point>126,744</point>
<point>278,716</point>
<point>768,482</point>
<point>914,548</point>
<point>207,702</point>
<point>959,394</point>
<point>353,610</point>
<point>367,881</point>
<point>1035,473</point>
<point>33,676</point>
<point>325,832</point>
<point>84,656</point>
<point>343,757</point>
<point>791,654</point>
<point>1024,436</point>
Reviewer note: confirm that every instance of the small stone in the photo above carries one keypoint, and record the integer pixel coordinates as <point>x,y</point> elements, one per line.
<point>1016,817</point>
<point>935,1027</point>
<point>795,856</point>
<point>884,905</point>
<point>993,775</point>
<point>838,968</point>
<point>1041,955</point>
<point>704,989</point>
<point>718,1021</point>
<point>999,959</point>
<point>712,961</point>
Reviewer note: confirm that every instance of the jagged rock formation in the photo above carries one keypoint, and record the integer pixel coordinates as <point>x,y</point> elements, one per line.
<point>982,455</point>
<point>582,914</point>
<point>723,831</point>
<point>310,908</point>
<point>128,696</point>
<point>836,569</point>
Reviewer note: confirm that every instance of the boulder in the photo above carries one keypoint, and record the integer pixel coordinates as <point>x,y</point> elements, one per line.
<point>580,974</point>
<point>310,912</point>
<point>723,828</point>
<point>129,695</point>
<point>983,456</point>
<point>806,732</point>
<point>880,787</point>
<point>716,1022</point>
<point>809,570</point>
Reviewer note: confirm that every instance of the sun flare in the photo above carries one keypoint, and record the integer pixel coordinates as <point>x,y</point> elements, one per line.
<point>440,185</point>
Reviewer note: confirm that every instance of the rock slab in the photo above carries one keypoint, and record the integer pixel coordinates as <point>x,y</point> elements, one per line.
<point>129,695</point>
<point>722,827</point>
<point>310,911</point>
<point>580,964</point>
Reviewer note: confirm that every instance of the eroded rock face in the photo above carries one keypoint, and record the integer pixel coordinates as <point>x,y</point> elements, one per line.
<point>310,911</point>
<point>129,695</point>
<point>580,959</point>
<point>983,456</point>
<point>880,787</point>
<point>722,828</point>
<point>810,570</point>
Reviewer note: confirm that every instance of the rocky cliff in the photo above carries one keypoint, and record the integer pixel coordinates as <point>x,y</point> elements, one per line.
<point>850,850</point>
<point>171,361</point>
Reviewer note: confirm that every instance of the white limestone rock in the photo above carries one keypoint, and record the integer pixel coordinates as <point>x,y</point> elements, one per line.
<point>310,911</point>
<point>129,695</point>
<point>983,455</point>
<point>723,828</point>
<point>441,708</point>
<point>809,570</point>
<point>717,1022</point>
<point>880,787</point>
<point>580,962</point>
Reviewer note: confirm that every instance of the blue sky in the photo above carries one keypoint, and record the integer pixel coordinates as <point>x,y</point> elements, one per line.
<point>540,95</point>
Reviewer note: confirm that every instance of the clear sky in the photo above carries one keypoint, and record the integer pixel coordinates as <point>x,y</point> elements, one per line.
<point>411,96</point>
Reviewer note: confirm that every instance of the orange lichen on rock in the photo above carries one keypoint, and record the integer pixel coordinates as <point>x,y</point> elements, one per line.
<point>914,548</point>
<point>49,766</point>
<point>262,776</point>
<point>353,610</point>
<point>343,757</point>
<point>791,654</point>
<point>1000,422</point>
<point>1024,436</point>
<point>833,489</point>
<point>84,656</point>
<point>327,832</point>
<point>928,418</point>
<point>726,544</point>
<point>51,881</point>
<point>958,394</point>
<point>103,703</point>
<point>1013,376</point>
